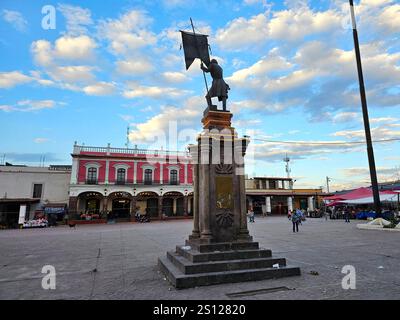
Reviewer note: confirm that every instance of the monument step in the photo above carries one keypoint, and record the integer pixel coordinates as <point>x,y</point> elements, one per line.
<point>180,280</point>
<point>188,267</point>
<point>195,256</point>
<point>221,246</point>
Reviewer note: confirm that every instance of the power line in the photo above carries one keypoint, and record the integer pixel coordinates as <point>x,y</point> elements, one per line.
<point>324,142</point>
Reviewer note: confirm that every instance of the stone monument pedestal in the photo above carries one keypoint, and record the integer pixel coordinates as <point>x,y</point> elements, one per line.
<point>220,249</point>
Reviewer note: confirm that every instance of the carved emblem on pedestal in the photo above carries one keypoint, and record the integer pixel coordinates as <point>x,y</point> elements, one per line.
<point>224,218</point>
<point>224,168</point>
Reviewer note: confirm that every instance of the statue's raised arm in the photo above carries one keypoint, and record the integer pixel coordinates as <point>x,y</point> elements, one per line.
<point>219,87</point>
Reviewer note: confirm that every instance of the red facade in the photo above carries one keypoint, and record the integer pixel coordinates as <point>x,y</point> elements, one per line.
<point>107,163</point>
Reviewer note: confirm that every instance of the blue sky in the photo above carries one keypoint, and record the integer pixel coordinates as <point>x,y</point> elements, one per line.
<point>290,66</point>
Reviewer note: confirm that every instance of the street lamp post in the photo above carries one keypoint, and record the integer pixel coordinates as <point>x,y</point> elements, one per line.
<point>370,150</point>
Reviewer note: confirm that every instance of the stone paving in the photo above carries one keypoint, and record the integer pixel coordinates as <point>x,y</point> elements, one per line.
<point>120,261</point>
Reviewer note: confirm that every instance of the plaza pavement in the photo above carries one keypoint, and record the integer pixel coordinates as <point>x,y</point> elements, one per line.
<point>119,261</point>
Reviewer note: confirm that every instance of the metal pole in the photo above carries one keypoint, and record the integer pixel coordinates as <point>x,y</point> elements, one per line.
<point>194,33</point>
<point>370,150</point>
<point>327,184</point>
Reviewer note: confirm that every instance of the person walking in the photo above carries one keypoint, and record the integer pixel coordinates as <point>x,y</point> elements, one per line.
<point>347,215</point>
<point>250,213</point>
<point>296,217</point>
<point>326,214</point>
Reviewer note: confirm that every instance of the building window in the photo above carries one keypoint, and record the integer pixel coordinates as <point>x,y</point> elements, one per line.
<point>121,176</point>
<point>173,177</point>
<point>148,176</point>
<point>37,190</point>
<point>92,175</point>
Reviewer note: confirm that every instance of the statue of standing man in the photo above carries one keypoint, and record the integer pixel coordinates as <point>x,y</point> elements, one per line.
<point>219,87</point>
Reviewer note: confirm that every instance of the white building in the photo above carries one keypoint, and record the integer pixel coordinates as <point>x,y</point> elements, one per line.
<point>25,190</point>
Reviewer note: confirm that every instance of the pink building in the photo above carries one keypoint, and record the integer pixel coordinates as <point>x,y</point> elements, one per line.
<point>122,181</point>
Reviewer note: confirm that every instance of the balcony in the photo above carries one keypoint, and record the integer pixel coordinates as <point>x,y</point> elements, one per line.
<point>130,152</point>
<point>91,181</point>
<point>120,182</point>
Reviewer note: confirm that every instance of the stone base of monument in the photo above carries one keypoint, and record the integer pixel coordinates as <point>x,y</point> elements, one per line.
<point>197,264</point>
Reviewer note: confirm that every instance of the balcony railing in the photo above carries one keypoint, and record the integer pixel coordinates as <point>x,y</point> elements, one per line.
<point>130,183</point>
<point>134,151</point>
<point>91,181</point>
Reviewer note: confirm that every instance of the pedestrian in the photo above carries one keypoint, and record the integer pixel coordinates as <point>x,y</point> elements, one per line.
<point>296,217</point>
<point>347,215</point>
<point>250,213</point>
<point>289,214</point>
<point>66,217</point>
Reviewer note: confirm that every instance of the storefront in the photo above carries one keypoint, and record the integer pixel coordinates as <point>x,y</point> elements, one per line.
<point>14,211</point>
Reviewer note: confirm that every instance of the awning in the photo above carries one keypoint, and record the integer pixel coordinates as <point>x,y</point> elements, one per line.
<point>357,194</point>
<point>19,200</point>
<point>56,208</point>
<point>367,200</point>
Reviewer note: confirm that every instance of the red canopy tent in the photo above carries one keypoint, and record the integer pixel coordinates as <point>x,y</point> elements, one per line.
<point>354,194</point>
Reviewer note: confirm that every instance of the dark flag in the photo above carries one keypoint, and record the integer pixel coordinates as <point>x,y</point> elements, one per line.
<point>195,46</point>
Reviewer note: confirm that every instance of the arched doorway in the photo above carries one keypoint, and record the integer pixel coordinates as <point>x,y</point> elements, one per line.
<point>152,207</point>
<point>121,208</point>
<point>173,204</point>
<point>120,205</point>
<point>168,206</point>
<point>147,203</point>
<point>89,202</point>
<point>180,209</point>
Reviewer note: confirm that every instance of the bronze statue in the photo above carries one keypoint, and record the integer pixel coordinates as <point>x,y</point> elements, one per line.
<point>219,87</point>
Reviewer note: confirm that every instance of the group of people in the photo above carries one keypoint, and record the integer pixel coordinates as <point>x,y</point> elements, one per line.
<point>296,216</point>
<point>341,213</point>
<point>142,217</point>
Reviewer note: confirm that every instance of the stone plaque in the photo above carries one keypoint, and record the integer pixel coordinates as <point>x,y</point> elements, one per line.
<point>224,192</point>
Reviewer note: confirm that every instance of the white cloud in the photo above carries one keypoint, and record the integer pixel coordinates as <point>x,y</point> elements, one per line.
<point>137,91</point>
<point>128,33</point>
<point>290,25</point>
<point>99,89</point>
<point>257,74</point>
<point>73,48</point>
<point>342,117</point>
<point>41,140</point>
<point>159,125</point>
<point>42,52</point>
<point>77,18</point>
<point>174,77</point>
<point>383,173</point>
<point>16,19</point>
<point>383,120</point>
<point>31,105</point>
<point>73,74</point>
<point>242,33</point>
<point>11,79</point>
<point>381,132</point>
<point>126,117</point>
<point>133,67</point>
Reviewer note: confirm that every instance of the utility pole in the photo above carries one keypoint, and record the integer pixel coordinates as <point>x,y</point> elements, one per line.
<point>127,137</point>
<point>370,150</point>
<point>327,183</point>
<point>287,168</point>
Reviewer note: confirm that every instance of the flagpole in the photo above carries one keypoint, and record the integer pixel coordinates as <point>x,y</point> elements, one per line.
<point>370,150</point>
<point>197,47</point>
